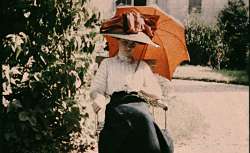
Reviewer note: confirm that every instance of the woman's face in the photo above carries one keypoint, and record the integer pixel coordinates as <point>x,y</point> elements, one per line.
<point>126,45</point>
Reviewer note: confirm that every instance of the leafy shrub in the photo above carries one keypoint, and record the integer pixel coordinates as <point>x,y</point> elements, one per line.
<point>41,73</point>
<point>204,43</point>
<point>233,20</point>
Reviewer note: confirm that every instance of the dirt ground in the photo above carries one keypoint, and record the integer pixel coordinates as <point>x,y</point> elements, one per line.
<point>206,117</point>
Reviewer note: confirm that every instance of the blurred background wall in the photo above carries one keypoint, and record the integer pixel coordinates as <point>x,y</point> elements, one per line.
<point>180,9</point>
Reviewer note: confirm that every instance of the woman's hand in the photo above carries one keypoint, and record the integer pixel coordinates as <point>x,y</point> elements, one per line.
<point>96,107</point>
<point>151,99</point>
<point>150,96</point>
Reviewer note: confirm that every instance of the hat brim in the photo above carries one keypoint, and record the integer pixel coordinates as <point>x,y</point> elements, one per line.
<point>139,37</point>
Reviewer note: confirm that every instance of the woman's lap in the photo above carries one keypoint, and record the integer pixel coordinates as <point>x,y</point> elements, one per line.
<point>129,128</point>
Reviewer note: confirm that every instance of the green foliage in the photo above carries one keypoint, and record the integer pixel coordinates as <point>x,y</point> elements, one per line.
<point>236,76</point>
<point>204,43</point>
<point>233,20</point>
<point>41,74</point>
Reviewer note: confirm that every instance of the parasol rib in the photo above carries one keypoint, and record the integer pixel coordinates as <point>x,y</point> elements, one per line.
<point>156,34</point>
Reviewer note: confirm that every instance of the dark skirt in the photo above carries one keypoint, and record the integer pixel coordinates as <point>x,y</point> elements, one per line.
<point>129,127</point>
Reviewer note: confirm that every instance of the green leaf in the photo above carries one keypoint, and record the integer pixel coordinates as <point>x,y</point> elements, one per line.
<point>38,137</point>
<point>23,116</point>
<point>32,120</point>
<point>10,135</point>
<point>43,60</point>
<point>16,103</point>
<point>18,51</point>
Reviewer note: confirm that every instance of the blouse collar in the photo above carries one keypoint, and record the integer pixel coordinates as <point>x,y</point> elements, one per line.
<point>124,58</point>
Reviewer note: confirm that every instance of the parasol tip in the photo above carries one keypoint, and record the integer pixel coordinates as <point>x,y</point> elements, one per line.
<point>155,45</point>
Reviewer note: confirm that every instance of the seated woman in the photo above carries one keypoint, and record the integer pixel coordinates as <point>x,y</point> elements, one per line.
<point>129,126</point>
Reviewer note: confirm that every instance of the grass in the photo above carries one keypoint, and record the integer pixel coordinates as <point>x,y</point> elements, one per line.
<point>189,72</point>
<point>239,77</point>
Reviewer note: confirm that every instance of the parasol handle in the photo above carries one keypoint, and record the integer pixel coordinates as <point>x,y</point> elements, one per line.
<point>142,54</point>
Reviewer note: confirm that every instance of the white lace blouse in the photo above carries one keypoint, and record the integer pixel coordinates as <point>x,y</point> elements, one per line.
<point>117,74</point>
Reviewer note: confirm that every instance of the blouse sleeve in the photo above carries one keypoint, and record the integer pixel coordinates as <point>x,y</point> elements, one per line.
<point>99,82</point>
<point>151,84</point>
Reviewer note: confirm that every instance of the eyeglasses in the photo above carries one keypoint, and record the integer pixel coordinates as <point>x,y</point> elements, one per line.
<point>130,44</point>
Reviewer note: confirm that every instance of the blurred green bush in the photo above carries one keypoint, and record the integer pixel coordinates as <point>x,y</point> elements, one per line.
<point>41,74</point>
<point>224,44</point>
<point>204,43</point>
<point>233,21</point>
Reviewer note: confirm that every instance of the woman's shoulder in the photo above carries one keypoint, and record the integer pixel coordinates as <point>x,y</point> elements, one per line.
<point>144,64</point>
<point>108,60</point>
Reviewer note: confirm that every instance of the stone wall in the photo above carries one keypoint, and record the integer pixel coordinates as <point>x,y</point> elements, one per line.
<point>179,8</point>
<point>211,8</point>
<point>176,8</point>
<point>106,7</point>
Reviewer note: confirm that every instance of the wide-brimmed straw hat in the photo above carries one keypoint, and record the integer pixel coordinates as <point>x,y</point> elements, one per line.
<point>131,26</point>
<point>138,37</point>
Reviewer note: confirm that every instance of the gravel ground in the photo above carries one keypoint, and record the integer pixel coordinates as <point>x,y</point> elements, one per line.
<point>207,117</point>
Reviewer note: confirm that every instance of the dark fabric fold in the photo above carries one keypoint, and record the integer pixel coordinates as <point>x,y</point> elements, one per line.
<point>130,128</point>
